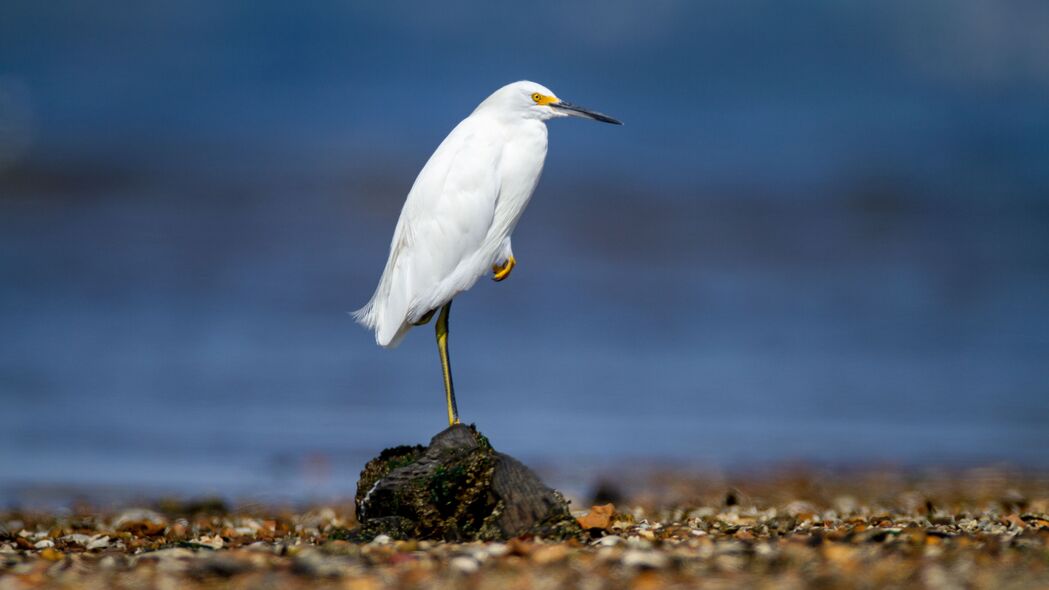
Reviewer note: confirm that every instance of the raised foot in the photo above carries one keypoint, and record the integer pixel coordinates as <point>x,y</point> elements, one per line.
<point>501,272</point>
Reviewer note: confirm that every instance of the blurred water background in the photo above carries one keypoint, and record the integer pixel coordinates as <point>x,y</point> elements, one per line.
<point>821,236</point>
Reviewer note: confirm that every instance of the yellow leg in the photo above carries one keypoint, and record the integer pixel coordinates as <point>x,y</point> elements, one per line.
<point>501,272</point>
<point>446,363</point>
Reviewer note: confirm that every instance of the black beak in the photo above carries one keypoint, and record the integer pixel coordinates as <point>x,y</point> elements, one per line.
<point>578,111</point>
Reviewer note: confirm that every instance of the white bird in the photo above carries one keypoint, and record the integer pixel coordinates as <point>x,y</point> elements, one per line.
<point>456,222</point>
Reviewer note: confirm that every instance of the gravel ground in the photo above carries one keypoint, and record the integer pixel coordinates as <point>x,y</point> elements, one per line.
<point>984,528</point>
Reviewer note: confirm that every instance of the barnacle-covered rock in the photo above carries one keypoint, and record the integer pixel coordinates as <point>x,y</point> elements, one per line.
<point>457,489</point>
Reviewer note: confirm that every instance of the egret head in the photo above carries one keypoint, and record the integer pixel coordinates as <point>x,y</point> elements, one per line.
<point>536,101</point>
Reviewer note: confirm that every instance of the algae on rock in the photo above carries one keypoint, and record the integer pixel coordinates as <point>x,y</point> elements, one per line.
<point>456,489</point>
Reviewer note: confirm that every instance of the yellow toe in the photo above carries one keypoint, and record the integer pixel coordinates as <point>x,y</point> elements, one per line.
<point>501,272</point>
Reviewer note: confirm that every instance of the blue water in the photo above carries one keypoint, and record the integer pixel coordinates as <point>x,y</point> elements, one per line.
<point>820,236</point>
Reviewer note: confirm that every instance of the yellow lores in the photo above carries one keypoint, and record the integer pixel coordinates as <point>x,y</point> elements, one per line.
<point>544,99</point>
<point>457,219</point>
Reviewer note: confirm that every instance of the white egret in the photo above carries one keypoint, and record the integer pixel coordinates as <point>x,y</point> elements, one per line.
<point>456,222</point>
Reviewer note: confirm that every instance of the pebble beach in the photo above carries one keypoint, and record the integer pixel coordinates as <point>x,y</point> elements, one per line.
<point>793,528</point>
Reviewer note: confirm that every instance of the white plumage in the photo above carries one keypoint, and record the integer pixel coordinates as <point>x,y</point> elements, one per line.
<point>457,220</point>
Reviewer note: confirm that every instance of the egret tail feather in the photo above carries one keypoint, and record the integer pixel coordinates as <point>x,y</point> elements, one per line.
<point>386,336</point>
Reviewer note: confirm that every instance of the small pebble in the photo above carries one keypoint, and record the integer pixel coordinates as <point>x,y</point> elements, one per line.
<point>649,559</point>
<point>464,564</point>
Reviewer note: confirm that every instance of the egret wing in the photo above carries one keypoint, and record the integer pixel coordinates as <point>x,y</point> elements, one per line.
<point>435,251</point>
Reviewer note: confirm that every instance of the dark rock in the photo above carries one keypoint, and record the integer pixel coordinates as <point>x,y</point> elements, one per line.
<point>606,492</point>
<point>223,566</point>
<point>731,498</point>
<point>193,507</point>
<point>456,489</point>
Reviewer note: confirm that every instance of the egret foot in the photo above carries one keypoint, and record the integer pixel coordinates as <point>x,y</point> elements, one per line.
<point>501,272</point>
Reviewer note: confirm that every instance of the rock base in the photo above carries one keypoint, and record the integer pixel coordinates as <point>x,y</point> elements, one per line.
<point>457,489</point>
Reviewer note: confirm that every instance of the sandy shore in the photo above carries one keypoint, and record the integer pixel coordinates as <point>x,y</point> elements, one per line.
<point>982,528</point>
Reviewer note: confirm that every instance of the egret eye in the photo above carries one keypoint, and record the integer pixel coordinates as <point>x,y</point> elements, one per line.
<point>537,97</point>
